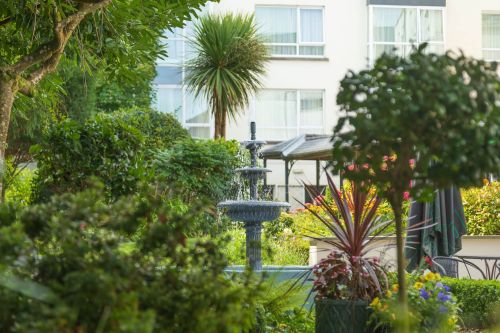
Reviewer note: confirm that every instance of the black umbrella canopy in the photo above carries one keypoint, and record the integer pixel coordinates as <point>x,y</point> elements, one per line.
<point>440,234</point>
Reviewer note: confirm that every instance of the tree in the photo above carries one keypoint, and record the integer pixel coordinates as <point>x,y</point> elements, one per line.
<point>35,35</point>
<point>442,110</point>
<point>229,63</point>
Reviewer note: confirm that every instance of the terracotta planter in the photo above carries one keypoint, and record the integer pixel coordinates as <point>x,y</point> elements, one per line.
<point>340,316</point>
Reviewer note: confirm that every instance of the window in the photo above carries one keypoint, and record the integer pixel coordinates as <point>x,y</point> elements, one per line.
<point>491,37</point>
<point>398,29</point>
<point>284,114</point>
<point>292,31</point>
<point>171,94</point>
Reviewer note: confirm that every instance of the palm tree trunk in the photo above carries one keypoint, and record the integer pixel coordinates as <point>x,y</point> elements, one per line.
<point>7,93</point>
<point>223,123</point>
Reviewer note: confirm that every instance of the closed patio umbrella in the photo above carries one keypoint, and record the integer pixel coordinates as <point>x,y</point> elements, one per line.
<point>443,238</point>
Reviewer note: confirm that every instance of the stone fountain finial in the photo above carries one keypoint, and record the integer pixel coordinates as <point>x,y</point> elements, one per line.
<point>254,211</point>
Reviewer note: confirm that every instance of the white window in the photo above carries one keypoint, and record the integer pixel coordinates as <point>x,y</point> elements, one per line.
<point>171,94</point>
<point>395,29</point>
<point>284,114</point>
<point>491,37</point>
<point>292,31</point>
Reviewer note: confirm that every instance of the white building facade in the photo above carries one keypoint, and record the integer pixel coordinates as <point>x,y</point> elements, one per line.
<point>313,44</point>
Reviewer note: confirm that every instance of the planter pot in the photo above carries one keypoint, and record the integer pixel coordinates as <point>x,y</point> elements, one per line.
<point>340,316</point>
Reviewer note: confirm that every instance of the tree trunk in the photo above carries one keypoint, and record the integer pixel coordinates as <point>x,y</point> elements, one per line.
<point>7,93</point>
<point>223,122</point>
<point>397,207</point>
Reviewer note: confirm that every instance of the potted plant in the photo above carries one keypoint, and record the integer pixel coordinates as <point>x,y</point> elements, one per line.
<point>348,280</point>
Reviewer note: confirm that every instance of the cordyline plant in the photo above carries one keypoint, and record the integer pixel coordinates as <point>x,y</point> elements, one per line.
<point>442,110</point>
<point>348,272</point>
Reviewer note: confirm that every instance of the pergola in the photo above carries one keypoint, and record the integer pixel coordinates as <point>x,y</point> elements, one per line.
<point>306,147</point>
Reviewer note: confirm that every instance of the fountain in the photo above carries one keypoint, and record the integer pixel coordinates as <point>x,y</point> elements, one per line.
<point>253,212</point>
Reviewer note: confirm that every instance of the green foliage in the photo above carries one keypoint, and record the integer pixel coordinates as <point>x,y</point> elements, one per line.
<point>482,209</point>
<point>229,62</point>
<point>19,190</point>
<point>199,170</point>
<point>160,130</point>
<point>479,301</point>
<point>68,267</point>
<point>71,154</point>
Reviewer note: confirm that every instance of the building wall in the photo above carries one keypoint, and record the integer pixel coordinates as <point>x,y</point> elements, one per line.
<point>346,37</point>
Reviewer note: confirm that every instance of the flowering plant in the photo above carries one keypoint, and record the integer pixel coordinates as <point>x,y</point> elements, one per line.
<point>432,306</point>
<point>348,272</point>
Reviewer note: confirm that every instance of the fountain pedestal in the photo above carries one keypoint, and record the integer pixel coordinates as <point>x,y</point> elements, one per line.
<point>254,211</point>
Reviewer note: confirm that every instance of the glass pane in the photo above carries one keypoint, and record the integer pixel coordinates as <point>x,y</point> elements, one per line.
<point>491,31</point>
<point>199,132</point>
<point>312,50</point>
<point>491,55</point>
<point>277,24</point>
<point>311,108</point>
<point>282,50</point>
<point>168,75</point>
<point>431,25</point>
<point>197,110</point>
<point>435,48</point>
<point>400,50</point>
<point>395,25</point>
<point>169,100</point>
<point>175,33</point>
<point>276,108</point>
<point>311,25</point>
<point>174,50</point>
<point>280,134</point>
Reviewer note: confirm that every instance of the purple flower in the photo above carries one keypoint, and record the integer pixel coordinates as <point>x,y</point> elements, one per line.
<point>443,297</point>
<point>439,285</point>
<point>424,294</point>
<point>443,309</point>
<point>446,288</point>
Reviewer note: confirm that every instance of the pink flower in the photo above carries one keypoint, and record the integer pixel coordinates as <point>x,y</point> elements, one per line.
<point>412,163</point>
<point>350,167</point>
<point>406,196</point>
<point>366,166</point>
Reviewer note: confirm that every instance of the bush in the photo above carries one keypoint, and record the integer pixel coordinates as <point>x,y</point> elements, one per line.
<point>200,170</point>
<point>160,130</point>
<point>71,154</point>
<point>77,264</point>
<point>482,209</point>
<point>19,185</point>
<point>479,301</point>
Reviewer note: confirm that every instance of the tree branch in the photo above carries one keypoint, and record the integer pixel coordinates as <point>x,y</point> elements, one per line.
<point>6,20</point>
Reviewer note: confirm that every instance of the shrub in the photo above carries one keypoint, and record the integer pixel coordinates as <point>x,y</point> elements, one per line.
<point>482,209</point>
<point>160,130</point>
<point>200,170</point>
<point>479,301</point>
<point>77,264</point>
<point>19,185</point>
<point>71,154</point>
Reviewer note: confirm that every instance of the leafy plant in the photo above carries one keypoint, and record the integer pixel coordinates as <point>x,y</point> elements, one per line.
<point>432,305</point>
<point>72,154</point>
<point>441,109</point>
<point>229,63</point>
<point>347,273</point>
<point>482,209</point>
<point>79,264</point>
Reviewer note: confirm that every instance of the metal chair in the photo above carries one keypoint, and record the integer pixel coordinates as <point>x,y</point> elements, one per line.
<point>448,266</point>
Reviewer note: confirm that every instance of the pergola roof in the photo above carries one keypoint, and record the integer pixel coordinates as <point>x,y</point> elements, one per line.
<point>304,147</point>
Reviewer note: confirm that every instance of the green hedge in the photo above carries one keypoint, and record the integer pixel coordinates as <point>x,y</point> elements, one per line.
<point>482,209</point>
<point>479,301</point>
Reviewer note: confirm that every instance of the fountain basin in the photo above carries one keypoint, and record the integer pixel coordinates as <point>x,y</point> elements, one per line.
<point>253,210</point>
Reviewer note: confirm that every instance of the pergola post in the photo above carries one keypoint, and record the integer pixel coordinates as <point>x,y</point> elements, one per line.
<point>318,175</point>
<point>287,179</point>
<point>265,174</point>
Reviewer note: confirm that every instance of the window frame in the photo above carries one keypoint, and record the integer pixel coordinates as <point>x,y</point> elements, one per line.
<point>181,65</point>
<point>298,128</point>
<point>298,43</point>
<point>483,49</point>
<point>372,43</point>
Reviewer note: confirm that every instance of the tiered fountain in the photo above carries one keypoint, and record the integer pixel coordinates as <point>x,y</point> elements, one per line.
<point>254,211</point>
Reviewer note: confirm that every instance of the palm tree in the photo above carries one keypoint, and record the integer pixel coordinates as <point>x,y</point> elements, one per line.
<point>228,65</point>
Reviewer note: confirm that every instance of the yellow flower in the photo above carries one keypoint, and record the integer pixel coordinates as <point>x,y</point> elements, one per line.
<point>452,320</point>
<point>388,294</point>
<point>393,316</point>
<point>418,285</point>
<point>485,181</point>
<point>430,276</point>
<point>375,302</point>
<point>395,288</point>
<point>437,276</point>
